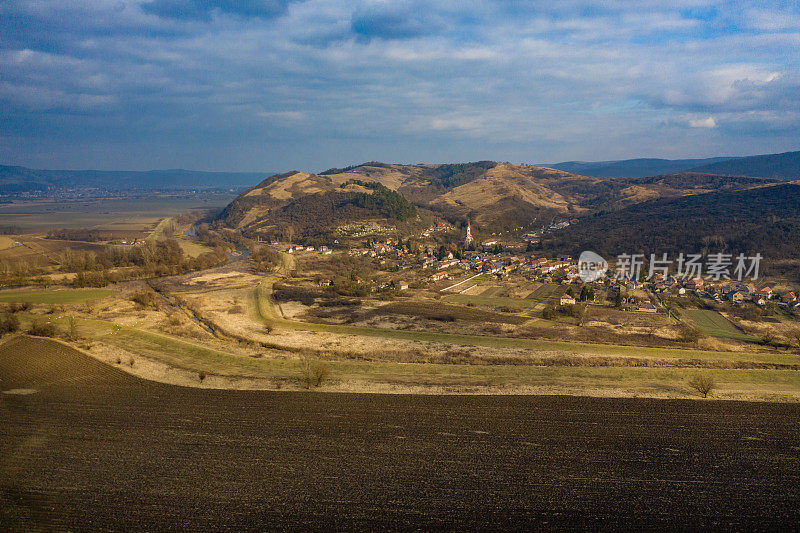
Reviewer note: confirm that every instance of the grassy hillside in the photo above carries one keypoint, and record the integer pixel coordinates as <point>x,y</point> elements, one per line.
<point>494,196</point>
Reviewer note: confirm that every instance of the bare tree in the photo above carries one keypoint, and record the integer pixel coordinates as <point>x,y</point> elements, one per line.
<point>703,384</point>
<point>314,372</point>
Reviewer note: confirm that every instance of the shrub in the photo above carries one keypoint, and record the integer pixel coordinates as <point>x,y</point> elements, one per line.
<point>41,328</point>
<point>703,384</point>
<point>9,323</point>
<point>72,329</point>
<point>201,376</point>
<point>145,299</point>
<point>549,312</point>
<point>689,334</point>
<point>313,373</point>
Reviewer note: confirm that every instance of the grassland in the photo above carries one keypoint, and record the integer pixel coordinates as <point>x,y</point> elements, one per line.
<point>58,297</point>
<point>715,325</point>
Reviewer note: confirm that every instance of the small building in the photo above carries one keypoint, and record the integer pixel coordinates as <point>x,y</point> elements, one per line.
<point>646,308</point>
<point>738,297</point>
<point>567,300</point>
<point>789,298</point>
<point>438,276</point>
<point>402,285</point>
<point>324,283</point>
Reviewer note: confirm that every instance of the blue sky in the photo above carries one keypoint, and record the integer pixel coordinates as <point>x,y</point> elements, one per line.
<point>274,85</point>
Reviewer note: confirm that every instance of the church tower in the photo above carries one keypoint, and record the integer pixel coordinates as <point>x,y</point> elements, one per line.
<point>468,237</point>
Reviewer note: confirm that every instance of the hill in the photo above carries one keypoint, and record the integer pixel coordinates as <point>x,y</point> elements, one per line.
<point>16,179</point>
<point>634,168</point>
<point>763,219</point>
<point>494,196</point>
<point>780,166</point>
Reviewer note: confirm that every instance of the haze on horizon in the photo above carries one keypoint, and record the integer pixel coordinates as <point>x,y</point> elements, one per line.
<point>275,85</point>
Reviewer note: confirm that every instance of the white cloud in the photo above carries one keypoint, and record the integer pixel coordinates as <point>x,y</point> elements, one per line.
<point>707,122</point>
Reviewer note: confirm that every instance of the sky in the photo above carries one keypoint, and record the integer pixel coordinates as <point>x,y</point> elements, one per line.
<point>275,85</point>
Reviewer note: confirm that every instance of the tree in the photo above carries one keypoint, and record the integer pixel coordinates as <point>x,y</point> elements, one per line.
<point>72,329</point>
<point>703,384</point>
<point>689,334</point>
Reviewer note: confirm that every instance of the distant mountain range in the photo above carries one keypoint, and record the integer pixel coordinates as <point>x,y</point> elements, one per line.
<point>16,179</point>
<point>780,166</point>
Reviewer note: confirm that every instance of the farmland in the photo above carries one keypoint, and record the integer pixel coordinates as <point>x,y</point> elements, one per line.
<point>159,456</point>
<point>117,214</point>
<point>714,324</point>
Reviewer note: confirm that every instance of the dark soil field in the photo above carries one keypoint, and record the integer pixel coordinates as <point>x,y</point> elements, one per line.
<point>90,447</point>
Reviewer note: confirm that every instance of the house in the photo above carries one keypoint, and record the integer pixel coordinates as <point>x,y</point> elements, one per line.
<point>759,300</point>
<point>324,283</point>
<point>402,285</point>
<point>567,300</point>
<point>766,292</point>
<point>789,298</point>
<point>738,297</point>
<point>438,276</point>
<point>646,308</point>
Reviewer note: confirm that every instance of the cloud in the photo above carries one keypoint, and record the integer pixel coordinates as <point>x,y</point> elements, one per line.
<point>707,122</point>
<point>203,9</point>
<point>254,85</point>
<point>392,20</point>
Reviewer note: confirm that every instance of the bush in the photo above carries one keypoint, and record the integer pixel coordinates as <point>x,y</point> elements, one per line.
<point>549,312</point>
<point>41,328</point>
<point>689,334</point>
<point>145,299</point>
<point>314,373</point>
<point>703,384</point>
<point>72,329</point>
<point>9,323</point>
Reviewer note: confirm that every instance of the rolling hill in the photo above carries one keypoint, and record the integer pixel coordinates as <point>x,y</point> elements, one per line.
<point>763,219</point>
<point>493,196</point>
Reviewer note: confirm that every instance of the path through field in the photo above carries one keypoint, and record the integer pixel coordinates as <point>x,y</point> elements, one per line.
<point>87,446</point>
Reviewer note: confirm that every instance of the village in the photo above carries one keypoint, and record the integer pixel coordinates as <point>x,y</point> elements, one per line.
<point>446,272</point>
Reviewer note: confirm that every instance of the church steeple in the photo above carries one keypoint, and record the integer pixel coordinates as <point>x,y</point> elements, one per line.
<point>468,237</point>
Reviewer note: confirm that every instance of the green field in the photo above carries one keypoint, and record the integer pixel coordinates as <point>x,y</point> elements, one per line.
<point>63,296</point>
<point>493,292</point>
<point>715,325</point>
<point>546,292</point>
